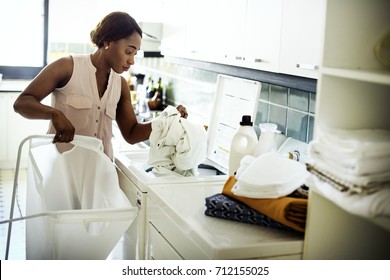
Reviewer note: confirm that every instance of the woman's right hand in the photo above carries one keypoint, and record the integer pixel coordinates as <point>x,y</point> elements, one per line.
<point>64,129</point>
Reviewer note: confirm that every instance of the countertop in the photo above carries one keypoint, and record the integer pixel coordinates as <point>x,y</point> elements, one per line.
<point>13,85</point>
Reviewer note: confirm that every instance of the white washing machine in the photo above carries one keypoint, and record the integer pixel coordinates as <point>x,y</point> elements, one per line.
<point>135,182</point>
<point>234,97</point>
<point>179,229</point>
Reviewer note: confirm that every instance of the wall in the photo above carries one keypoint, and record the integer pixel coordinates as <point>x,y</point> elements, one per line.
<point>290,108</point>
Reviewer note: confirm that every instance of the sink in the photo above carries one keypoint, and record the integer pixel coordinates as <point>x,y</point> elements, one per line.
<point>139,160</point>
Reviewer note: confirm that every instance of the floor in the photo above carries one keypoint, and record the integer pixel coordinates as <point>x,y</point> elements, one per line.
<point>17,241</point>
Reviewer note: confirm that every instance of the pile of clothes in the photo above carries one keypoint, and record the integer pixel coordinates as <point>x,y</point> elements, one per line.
<point>352,169</point>
<point>267,191</point>
<point>177,146</point>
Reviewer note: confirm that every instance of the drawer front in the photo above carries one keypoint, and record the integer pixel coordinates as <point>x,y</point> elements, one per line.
<point>158,247</point>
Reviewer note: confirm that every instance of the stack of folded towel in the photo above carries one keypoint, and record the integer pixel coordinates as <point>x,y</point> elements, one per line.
<point>352,168</point>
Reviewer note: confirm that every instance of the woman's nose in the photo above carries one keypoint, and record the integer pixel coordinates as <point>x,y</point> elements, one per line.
<point>131,60</point>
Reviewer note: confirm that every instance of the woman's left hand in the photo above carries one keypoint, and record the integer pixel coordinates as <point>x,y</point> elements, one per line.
<point>183,111</point>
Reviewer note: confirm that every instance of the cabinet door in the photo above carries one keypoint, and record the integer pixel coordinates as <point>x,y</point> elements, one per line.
<point>3,127</point>
<point>230,20</point>
<point>158,247</point>
<point>201,29</point>
<point>262,34</point>
<point>302,37</point>
<point>173,41</point>
<point>20,127</point>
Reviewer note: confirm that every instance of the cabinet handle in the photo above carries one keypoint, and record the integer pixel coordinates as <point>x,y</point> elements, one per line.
<point>257,60</point>
<point>307,66</point>
<point>239,58</point>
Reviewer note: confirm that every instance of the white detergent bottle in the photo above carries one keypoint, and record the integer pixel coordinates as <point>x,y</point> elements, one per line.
<point>267,141</point>
<point>243,143</point>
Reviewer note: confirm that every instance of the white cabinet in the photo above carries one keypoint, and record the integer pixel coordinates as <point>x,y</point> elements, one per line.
<point>201,29</point>
<point>262,34</point>
<point>230,35</point>
<point>134,237</point>
<point>353,93</point>
<point>3,127</point>
<point>179,229</point>
<point>14,129</point>
<point>173,41</point>
<point>302,37</point>
<point>243,33</point>
<point>271,35</point>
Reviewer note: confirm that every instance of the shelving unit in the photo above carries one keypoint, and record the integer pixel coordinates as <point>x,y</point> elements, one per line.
<point>353,92</point>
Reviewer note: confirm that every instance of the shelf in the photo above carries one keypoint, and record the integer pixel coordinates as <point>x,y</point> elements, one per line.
<point>371,76</point>
<point>380,221</point>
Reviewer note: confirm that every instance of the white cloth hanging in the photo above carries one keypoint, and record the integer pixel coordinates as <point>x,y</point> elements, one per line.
<point>85,210</point>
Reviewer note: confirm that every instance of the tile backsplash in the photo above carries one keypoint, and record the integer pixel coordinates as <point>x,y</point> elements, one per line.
<point>292,110</point>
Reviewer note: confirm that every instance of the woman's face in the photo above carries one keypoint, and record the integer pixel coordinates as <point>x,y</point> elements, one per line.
<point>121,53</point>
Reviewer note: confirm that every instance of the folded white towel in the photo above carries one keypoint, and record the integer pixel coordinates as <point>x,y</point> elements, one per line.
<point>176,144</point>
<point>270,175</point>
<point>354,143</point>
<point>374,205</point>
<point>355,183</point>
<point>350,164</point>
<point>358,159</point>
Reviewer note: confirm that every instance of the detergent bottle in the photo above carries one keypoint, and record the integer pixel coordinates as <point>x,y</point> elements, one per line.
<point>243,143</point>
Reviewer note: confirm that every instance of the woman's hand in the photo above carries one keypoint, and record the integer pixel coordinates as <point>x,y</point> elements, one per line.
<point>64,129</point>
<point>183,111</point>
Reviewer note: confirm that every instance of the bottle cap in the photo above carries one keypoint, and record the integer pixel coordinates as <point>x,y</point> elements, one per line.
<point>246,120</point>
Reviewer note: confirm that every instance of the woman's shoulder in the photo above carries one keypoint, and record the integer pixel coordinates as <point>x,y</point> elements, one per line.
<point>64,63</point>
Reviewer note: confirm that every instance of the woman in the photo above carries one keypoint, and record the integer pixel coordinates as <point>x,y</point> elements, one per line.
<point>88,90</point>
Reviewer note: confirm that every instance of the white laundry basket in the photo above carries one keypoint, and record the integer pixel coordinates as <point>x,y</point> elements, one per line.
<point>76,207</point>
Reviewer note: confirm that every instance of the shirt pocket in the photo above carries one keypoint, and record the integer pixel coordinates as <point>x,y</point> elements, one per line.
<point>111,111</point>
<point>79,102</point>
<point>78,111</point>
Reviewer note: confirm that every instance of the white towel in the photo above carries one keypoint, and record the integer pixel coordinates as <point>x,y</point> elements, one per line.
<point>270,175</point>
<point>350,164</point>
<point>371,206</point>
<point>359,143</point>
<point>358,159</point>
<point>176,144</point>
<point>334,169</point>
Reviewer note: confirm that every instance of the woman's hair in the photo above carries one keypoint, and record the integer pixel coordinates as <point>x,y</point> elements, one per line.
<point>113,27</point>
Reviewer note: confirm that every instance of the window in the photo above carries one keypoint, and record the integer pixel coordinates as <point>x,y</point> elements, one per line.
<point>37,32</point>
<point>71,22</point>
<point>22,32</point>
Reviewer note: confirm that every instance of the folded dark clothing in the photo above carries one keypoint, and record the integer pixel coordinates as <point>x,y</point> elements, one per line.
<point>288,210</point>
<point>222,206</point>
